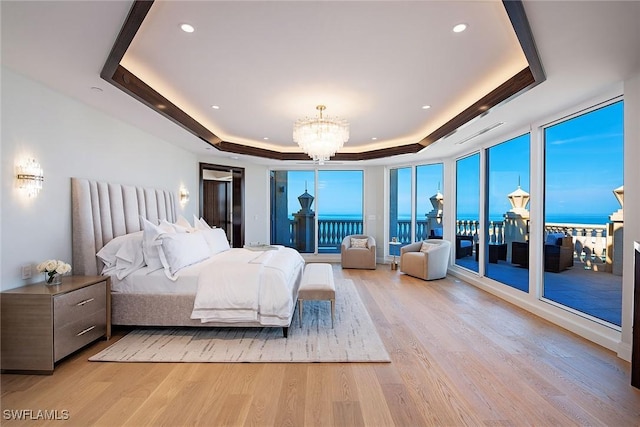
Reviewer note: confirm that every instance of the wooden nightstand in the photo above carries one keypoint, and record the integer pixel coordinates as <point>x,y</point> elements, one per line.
<point>41,324</point>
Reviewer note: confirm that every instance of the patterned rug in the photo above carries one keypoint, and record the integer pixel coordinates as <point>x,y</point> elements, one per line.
<point>353,339</point>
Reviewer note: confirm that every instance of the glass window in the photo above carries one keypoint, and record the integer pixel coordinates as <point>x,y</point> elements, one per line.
<point>292,209</point>
<point>583,217</point>
<point>339,208</point>
<point>429,201</point>
<point>467,211</point>
<point>507,228</point>
<point>400,204</point>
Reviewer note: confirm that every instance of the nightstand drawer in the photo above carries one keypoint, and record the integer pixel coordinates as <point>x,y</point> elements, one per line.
<point>79,304</point>
<point>73,336</point>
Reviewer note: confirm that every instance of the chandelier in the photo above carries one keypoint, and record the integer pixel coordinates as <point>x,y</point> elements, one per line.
<point>320,137</point>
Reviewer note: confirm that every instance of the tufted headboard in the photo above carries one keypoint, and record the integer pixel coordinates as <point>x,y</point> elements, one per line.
<point>102,211</point>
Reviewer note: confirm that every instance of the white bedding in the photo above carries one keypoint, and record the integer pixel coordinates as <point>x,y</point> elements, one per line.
<point>144,281</point>
<point>248,286</point>
<point>237,285</point>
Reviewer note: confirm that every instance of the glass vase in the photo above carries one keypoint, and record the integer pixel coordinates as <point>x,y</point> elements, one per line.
<point>55,280</point>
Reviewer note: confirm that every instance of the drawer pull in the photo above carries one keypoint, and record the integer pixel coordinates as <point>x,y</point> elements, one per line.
<point>87,301</point>
<point>86,330</point>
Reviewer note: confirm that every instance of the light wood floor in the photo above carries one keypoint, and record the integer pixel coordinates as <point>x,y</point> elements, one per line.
<point>459,357</point>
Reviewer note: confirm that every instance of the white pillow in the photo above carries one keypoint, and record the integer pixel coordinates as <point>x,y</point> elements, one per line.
<point>359,243</point>
<point>166,225</point>
<point>179,250</point>
<point>216,239</point>
<point>426,247</point>
<point>200,224</point>
<point>108,252</point>
<point>129,258</point>
<point>150,233</point>
<point>182,222</point>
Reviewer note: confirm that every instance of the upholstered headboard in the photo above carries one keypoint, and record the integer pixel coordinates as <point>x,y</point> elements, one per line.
<point>102,211</point>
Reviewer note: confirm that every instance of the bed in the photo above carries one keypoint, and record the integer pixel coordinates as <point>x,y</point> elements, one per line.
<point>241,287</point>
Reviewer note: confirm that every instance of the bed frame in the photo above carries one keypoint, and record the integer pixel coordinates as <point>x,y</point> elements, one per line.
<point>103,211</point>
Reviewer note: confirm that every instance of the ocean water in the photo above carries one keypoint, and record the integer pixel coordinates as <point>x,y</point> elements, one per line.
<point>552,218</point>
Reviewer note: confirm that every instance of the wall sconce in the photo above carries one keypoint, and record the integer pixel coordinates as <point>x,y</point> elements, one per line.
<point>183,195</point>
<point>30,177</point>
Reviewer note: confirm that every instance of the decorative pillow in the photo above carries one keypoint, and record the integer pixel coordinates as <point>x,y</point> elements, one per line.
<point>150,233</point>
<point>554,239</point>
<point>426,247</point>
<point>216,240</point>
<point>359,243</point>
<point>179,250</point>
<point>108,252</point>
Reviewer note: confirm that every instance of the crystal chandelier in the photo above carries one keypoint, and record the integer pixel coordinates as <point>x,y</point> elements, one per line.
<point>320,137</point>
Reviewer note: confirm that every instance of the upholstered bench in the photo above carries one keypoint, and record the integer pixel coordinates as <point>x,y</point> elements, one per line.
<point>317,285</point>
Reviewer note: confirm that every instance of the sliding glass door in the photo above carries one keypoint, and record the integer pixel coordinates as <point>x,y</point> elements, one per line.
<point>400,204</point>
<point>310,221</point>
<point>583,219</point>
<point>467,211</point>
<point>507,220</point>
<point>429,202</point>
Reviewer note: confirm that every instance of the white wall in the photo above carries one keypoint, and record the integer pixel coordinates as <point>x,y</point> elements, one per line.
<point>70,139</point>
<point>631,206</point>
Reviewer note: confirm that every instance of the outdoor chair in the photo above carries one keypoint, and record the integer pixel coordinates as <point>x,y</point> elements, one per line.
<point>464,246</point>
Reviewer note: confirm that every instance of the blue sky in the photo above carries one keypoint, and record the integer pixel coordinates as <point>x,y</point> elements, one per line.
<point>339,192</point>
<point>584,158</point>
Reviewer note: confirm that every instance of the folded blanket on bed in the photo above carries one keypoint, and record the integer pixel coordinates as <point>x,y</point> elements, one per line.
<point>247,286</point>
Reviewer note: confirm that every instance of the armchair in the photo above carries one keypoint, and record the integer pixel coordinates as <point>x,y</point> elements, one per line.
<point>429,265</point>
<point>358,257</point>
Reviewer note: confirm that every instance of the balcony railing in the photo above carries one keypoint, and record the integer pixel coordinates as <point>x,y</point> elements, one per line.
<point>330,232</point>
<point>403,230</point>
<point>590,241</point>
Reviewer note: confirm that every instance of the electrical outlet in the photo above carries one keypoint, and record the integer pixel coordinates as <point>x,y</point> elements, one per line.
<point>26,272</point>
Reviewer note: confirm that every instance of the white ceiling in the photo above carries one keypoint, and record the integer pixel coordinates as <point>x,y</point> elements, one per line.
<point>373,63</point>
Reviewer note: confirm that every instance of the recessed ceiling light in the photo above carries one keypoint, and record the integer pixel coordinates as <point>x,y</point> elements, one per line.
<point>266,138</point>
<point>459,28</point>
<point>426,107</point>
<point>374,139</point>
<point>187,28</point>
<point>215,107</point>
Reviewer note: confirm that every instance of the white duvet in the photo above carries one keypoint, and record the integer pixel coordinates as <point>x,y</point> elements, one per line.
<point>248,286</point>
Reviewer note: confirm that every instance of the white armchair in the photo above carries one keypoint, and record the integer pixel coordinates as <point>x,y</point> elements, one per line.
<point>358,257</point>
<point>430,264</point>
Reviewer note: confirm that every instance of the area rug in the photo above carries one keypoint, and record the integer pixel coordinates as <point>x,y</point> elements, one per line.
<point>353,339</point>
